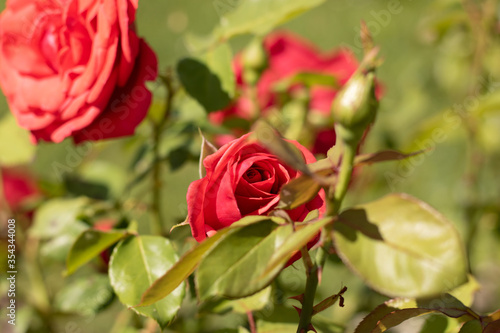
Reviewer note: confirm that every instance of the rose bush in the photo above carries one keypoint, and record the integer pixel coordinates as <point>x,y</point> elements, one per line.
<point>242,178</point>
<point>289,55</point>
<point>75,68</point>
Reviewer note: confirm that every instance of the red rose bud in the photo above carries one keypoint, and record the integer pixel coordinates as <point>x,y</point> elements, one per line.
<point>255,61</point>
<point>355,106</point>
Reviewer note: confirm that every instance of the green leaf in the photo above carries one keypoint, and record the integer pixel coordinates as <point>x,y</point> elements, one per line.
<point>219,60</point>
<point>301,190</point>
<point>78,186</point>
<point>108,174</point>
<point>395,311</point>
<point>135,264</point>
<point>297,240</point>
<point>85,296</point>
<point>188,263</point>
<point>261,16</point>
<point>202,84</point>
<point>435,324</point>
<point>57,223</point>
<point>89,245</point>
<point>234,265</point>
<point>401,247</point>
<point>196,43</point>
<point>243,305</point>
<point>466,292</point>
<point>472,326</point>
<point>17,148</point>
<point>58,247</point>
<point>56,215</point>
<point>180,271</point>
<point>298,192</point>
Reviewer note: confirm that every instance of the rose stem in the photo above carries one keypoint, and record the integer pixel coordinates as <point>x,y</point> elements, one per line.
<point>156,221</point>
<point>333,208</point>
<point>251,322</point>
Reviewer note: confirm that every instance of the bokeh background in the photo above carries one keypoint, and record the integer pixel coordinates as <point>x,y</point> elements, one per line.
<point>441,93</point>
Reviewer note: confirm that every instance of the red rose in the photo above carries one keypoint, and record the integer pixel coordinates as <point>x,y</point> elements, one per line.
<point>75,68</point>
<point>18,187</point>
<point>242,179</point>
<point>289,55</point>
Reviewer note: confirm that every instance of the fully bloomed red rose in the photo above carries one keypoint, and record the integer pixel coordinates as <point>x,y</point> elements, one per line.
<point>75,68</point>
<point>289,55</point>
<point>242,178</point>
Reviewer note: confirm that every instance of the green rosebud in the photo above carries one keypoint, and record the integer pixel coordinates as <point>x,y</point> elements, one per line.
<point>355,106</point>
<point>254,60</point>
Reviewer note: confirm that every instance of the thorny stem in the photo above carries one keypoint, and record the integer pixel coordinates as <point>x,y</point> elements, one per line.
<point>333,207</point>
<point>308,303</point>
<point>156,222</point>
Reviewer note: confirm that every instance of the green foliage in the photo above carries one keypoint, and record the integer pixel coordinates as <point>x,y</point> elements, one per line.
<point>135,264</point>
<point>243,305</point>
<point>88,245</point>
<point>473,326</point>
<point>395,311</point>
<point>85,296</point>
<point>56,216</point>
<point>219,60</point>
<point>438,89</point>
<point>270,138</point>
<point>202,84</point>
<point>292,194</point>
<point>261,16</point>
<point>243,253</point>
<point>401,247</point>
<point>180,271</point>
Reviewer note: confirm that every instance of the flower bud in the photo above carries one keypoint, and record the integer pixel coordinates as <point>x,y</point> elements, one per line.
<point>254,60</point>
<point>355,106</point>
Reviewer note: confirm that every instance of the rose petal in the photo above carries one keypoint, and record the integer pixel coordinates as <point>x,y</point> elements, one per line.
<point>195,198</point>
<point>128,105</point>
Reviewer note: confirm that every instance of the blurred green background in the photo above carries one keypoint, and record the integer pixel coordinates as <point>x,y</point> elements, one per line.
<point>428,49</point>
